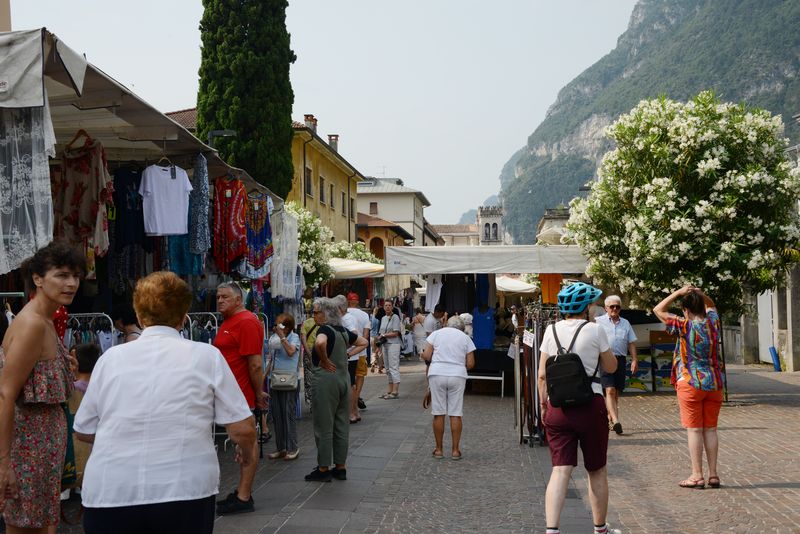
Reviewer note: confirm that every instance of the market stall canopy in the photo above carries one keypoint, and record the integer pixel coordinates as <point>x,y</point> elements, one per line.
<point>81,96</point>
<point>348,269</point>
<point>498,260</point>
<point>507,284</point>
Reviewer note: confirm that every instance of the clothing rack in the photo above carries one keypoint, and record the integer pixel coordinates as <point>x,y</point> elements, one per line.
<point>530,417</point>
<point>264,318</point>
<point>86,321</point>
<point>212,320</point>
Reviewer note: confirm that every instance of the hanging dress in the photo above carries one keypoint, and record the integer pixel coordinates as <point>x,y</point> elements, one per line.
<point>230,233</point>
<point>85,193</point>
<point>260,251</point>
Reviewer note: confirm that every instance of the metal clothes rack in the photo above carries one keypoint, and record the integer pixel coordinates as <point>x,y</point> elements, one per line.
<point>528,421</point>
<point>214,318</point>
<point>83,318</point>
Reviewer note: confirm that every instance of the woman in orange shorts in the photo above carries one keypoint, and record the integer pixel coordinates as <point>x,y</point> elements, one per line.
<point>697,377</point>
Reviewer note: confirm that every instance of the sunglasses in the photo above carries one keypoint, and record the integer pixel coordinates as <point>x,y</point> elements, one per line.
<point>615,306</point>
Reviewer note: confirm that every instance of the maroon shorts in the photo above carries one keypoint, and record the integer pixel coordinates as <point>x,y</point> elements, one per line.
<point>585,425</point>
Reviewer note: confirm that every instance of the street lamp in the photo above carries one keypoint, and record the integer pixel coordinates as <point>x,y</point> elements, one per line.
<point>219,133</point>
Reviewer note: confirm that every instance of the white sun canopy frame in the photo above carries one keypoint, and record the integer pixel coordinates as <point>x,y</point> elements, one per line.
<point>506,284</point>
<point>533,259</point>
<point>348,269</point>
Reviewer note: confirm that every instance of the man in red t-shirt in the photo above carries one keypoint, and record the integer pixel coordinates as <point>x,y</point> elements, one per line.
<point>240,338</point>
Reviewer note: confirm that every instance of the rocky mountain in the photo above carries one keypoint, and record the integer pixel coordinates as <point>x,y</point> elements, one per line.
<point>469,216</point>
<point>744,50</point>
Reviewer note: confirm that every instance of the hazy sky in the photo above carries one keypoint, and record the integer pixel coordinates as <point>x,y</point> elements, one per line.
<point>439,93</point>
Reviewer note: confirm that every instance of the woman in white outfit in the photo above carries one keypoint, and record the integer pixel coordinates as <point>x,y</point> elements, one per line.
<point>451,353</point>
<point>389,340</point>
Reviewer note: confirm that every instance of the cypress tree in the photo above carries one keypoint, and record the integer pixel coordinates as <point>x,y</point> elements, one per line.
<point>244,86</point>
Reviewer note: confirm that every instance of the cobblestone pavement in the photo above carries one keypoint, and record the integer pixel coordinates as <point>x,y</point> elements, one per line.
<point>395,486</point>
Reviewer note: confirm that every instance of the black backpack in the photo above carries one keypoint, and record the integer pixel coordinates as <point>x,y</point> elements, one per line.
<point>567,383</point>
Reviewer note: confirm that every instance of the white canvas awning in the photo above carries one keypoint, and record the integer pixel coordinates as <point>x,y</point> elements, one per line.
<point>512,285</point>
<point>348,269</point>
<point>536,259</point>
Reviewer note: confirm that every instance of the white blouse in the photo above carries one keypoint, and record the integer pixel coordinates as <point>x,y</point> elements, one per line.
<point>151,404</point>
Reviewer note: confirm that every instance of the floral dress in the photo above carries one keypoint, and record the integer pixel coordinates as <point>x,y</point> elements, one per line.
<point>40,441</point>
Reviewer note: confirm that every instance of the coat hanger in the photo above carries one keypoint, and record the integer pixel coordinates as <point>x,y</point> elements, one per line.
<point>164,155</point>
<point>78,134</point>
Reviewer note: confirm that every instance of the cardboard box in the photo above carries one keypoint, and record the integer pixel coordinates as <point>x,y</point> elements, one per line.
<point>658,337</point>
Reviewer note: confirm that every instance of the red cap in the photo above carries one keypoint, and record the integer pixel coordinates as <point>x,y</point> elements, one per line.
<point>352,297</point>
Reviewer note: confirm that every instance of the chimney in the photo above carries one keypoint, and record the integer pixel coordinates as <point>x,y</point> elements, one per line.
<point>311,122</point>
<point>333,140</point>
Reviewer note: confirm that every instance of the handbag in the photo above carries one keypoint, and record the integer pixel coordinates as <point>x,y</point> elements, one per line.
<point>283,380</point>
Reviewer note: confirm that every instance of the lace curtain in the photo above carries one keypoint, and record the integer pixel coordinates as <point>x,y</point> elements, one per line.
<point>284,264</point>
<point>26,204</point>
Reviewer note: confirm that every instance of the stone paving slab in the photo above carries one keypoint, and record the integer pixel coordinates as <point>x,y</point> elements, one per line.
<point>395,486</point>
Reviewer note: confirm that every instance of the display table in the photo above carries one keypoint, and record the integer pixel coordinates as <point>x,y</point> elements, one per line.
<point>491,364</point>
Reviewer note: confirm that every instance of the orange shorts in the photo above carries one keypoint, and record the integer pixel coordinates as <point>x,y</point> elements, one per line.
<point>699,409</point>
<point>361,366</point>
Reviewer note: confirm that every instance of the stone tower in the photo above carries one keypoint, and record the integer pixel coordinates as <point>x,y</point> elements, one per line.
<point>490,225</point>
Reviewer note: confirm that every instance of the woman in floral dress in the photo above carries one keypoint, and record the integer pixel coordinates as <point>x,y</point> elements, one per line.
<point>36,378</point>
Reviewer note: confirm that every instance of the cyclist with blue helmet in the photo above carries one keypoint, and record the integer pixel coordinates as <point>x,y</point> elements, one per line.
<point>585,425</point>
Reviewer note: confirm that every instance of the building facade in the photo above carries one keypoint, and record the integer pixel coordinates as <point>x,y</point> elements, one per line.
<point>458,235</point>
<point>377,234</point>
<point>391,200</point>
<point>490,226</point>
<point>324,182</point>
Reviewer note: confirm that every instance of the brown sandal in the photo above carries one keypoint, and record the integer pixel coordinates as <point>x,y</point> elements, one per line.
<point>693,483</point>
<point>713,482</point>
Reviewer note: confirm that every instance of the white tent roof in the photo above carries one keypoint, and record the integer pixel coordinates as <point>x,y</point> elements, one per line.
<point>561,259</point>
<point>346,269</point>
<point>513,285</point>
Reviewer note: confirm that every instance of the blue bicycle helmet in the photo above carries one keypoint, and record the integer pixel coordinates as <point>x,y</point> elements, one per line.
<point>576,297</point>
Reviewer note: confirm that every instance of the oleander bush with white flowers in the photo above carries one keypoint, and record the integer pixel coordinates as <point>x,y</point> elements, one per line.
<point>352,251</point>
<point>313,251</point>
<point>699,192</point>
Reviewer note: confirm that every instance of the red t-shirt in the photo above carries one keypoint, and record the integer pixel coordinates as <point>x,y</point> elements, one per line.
<point>238,337</point>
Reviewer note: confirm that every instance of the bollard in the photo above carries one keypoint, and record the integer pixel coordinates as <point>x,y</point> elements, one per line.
<point>776,362</point>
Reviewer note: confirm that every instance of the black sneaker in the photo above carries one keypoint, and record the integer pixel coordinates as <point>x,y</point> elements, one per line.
<point>361,404</point>
<point>338,474</point>
<point>319,476</point>
<point>231,496</point>
<point>235,506</point>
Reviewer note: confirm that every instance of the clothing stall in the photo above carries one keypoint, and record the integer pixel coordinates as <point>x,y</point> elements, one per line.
<point>84,159</point>
<point>443,264</point>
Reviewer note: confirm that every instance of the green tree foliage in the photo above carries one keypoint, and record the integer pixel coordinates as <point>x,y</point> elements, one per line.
<point>695,193</point>
<point>743,50</point>
<point>244,86</point>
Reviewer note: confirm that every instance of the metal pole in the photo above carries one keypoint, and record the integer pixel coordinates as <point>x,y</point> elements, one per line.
<point>724,365</point>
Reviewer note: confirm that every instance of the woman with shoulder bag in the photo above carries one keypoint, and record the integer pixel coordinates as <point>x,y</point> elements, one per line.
<point>284,351</point>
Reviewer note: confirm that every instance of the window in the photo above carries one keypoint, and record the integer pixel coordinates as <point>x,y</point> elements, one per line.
<point>494,231</point>
<point>321,190</point>
<point>353,208</point>
<point>309,186</point>
<point>373,208</point>
<point>486,231</point>
<point>330,199</point>
<point>344,205</point>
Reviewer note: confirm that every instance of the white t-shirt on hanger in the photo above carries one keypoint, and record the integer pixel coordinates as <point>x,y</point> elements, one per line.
<point>165,200</point>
